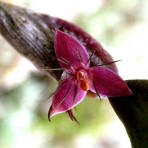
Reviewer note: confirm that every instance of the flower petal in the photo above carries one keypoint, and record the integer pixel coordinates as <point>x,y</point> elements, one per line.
<point>67,96</point>
<point>69,51</point>
<point>108,83</point>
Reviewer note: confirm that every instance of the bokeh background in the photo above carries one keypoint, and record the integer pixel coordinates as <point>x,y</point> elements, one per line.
<point>122,27</point>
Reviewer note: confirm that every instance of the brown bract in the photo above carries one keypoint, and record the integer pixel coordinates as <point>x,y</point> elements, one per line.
<point>32,35</point>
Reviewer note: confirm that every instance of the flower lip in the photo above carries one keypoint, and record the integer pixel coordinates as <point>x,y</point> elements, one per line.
<point>81,74</point>
<point>82,77</point>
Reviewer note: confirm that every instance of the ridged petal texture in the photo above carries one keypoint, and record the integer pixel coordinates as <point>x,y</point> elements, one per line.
<point>108,83</point>
<point>69,51</point>
<point>67,96</point>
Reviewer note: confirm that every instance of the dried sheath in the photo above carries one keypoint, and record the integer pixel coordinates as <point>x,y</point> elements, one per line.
<point>32,35</point>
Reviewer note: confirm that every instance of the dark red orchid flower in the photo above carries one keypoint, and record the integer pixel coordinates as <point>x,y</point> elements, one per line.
<point>78,77</point>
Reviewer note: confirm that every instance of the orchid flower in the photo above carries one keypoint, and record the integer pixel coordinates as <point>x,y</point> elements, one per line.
<point>78,77</point>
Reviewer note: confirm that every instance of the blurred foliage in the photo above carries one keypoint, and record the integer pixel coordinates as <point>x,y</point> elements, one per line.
<point>113,20</point>
<point>24,107</point>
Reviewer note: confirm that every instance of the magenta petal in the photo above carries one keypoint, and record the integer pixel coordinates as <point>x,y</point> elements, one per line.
<point>108,83</point>
<point>67,96</point>
<point>70,51</point>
